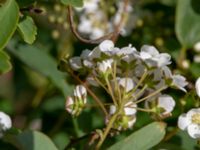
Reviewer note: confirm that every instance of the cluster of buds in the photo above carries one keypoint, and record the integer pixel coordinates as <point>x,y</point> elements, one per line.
<point>76,103</point>
<point>129,77</point>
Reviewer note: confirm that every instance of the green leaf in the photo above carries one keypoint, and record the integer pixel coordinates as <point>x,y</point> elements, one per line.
<point>142,139</point>
<point>188,22</point>
<point>5,64</point>
<point>9,15</point>
<point>42,62</point>
<point>27,29</point>
<point>75,3</point>
<point>34,140</point>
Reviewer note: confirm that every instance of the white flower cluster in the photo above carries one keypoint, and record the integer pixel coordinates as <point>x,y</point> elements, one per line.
<point>5,123</point>
<point>190,121</point>
<point>94,22</point>
<point>129,77</point>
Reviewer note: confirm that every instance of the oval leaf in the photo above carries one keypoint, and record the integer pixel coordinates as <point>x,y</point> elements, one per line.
<point>5,64</point>
<point>142,139</point>
<point>42,62</point>
<point>9,15</point>
<point>27,29</point>
<point>188,22</point>
<point>34,140</point>
<point>75,3</point>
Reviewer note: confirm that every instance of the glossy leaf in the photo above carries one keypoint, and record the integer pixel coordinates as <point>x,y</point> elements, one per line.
<point>75,3</point>
<point>188,22</point>
<point>5,64</point>
<point>9,15</point>
<point>27,29</point>
<point>142,139</point>
<point>42,62</point>
<point>34,140</point>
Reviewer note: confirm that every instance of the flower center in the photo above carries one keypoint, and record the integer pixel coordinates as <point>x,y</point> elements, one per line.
<point>196,118</point>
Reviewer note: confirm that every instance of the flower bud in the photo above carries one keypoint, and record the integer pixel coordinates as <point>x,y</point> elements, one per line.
<point>105,66</point>
<point>74,105</point>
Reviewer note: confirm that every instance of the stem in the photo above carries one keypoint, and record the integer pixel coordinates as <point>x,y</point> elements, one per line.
<point>110,91</point>
<point>150,95</point>
<point>109,126</point>
<point>101,84</point>
<point>114,74</point>
<point>140,82</point>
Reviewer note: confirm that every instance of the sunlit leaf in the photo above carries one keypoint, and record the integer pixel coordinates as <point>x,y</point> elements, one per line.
<point>142,139</point>
<point>9,15</point>
<point>27,29</point>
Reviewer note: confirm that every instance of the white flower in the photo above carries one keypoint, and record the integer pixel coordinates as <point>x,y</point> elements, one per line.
<point>190,122</point>
<point>152,57</point>
<point>126,83</point>
<point>5,123</point>
<point>75,63</point>
<point>167,103</point>
<point>80,92</point>
<point>179,82</point>
<point>105,65</point>
<point>197,86</point>
<point>106,45</point>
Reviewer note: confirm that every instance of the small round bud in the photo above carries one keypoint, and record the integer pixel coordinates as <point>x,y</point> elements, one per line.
<point>197,47</point>
<point>52,18</point>
<point>57,8</point>
<point>55,34</point>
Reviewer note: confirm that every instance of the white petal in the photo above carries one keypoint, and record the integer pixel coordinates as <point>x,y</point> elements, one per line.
<point>106,45</point>
<point>85,54</point>
<point>183,122</point>
<point>131,122</point>
<point>128,82</point>
<point>75,63</point>
<point>129,108</point>
<point>149,49</point>
<point>197,86</point>
<point>194,131</point>
<point>192,112</point>
<point>79,91</point>
<point>5,121</point>
<point>112,109</point>
<point>166,102</point>
<point>145,55</point>
<point>68,104</point>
